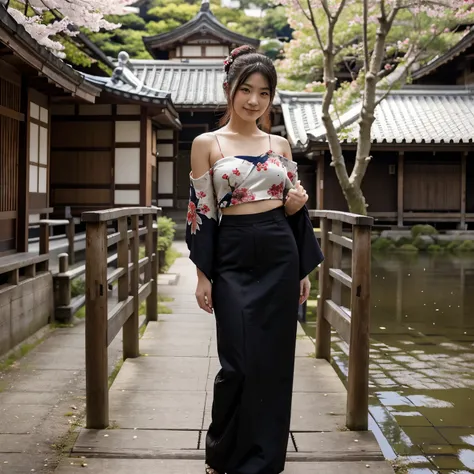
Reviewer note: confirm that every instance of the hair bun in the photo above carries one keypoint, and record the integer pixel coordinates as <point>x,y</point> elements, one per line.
<point>237,52</point>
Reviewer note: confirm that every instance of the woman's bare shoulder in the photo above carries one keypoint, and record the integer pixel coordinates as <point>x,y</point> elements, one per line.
<point>282,146</point>
<point>200,153</point>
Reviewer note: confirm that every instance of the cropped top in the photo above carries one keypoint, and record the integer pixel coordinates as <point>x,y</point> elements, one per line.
<point>234,180</point>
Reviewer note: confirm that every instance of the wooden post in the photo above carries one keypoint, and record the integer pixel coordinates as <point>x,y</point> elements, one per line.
<point>463,190</point>
<point>320,183</point>
<point>44,244</point>
<point>152,300</point>
<point>64,284</point>
<point>97,390</point>
<point>122,259</point>
<point>130,328</point>
<point>323,328</point>
<point>400,174</point>
<point>336,251</point>
<point>358,380</point>
<point>70,232</point>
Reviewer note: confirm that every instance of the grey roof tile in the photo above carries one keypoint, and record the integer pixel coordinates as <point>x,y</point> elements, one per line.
<point>412,115</point>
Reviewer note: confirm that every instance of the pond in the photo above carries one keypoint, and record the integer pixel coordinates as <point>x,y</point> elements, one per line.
<point>422,360</point>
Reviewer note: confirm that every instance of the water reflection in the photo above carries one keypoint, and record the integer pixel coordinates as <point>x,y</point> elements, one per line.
<point>422,359</point>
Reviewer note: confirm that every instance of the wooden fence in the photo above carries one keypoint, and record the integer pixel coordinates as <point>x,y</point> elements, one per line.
<point>102,324</point>
<point>352,324</point>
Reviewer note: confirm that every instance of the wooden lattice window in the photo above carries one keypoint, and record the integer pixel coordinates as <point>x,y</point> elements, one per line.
<point>9,144</point>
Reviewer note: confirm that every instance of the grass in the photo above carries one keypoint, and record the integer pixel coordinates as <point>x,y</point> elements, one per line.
<point>18,354</point>
<point>170,257</point>
<point>115,372</point>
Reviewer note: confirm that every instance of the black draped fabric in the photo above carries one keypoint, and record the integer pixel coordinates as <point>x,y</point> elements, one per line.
<point>255,295</point>
<point>255,263</point>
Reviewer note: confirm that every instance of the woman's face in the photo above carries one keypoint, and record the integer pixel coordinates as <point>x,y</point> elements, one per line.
<point>252,98</point>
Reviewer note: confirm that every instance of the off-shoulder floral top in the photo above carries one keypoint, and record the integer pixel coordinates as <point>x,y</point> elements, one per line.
<point>234,180</point>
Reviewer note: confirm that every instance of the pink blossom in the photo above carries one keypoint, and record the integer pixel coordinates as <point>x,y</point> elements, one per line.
<point>200,194</point>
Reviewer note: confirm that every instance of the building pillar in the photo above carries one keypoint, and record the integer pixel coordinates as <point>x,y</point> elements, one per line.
<point>463,190</point>
<point>400,174</point>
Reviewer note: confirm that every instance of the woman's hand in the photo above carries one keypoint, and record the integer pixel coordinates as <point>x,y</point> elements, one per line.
<point>305,286</point>
<point>295,199</point>
<point>204,293</point>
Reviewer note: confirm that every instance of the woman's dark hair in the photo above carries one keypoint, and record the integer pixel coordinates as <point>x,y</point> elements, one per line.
<point>239,65</point>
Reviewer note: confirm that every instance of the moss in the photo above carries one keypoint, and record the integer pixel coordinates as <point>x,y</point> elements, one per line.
<point>163,309</point>
<point>435,248</point>
<point>165,299</point>
<point>383,245</point>
<point>466,246</point>
<point>423,229</point>
<point>22,351</point>
<point>81,314</point>
<point>170,257</point>
<point>115,372</point>
<point>408,248</point>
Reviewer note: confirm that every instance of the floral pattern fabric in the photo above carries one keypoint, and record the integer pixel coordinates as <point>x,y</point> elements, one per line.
<point>232,181</point>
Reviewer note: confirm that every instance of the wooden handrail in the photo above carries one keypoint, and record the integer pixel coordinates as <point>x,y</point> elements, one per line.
<point>352,324</point>
<point>102,324</point>
<point>346,217</point>
<point>106,215</point>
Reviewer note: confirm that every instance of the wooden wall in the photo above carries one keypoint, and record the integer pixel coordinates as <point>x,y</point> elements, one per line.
<point>10,119</point>
<point>379,184</point>
<point>432,183</point>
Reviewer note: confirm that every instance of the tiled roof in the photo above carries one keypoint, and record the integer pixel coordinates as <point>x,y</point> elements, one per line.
<point>452,53</point>
<point>127,85</point>
<point>412,115</point>
<point>193,84</point>
<point>204,23</point>
<point>301,112</point>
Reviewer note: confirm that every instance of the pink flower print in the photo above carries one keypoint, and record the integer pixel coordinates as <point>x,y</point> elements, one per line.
<point>211,172</point>
<point>262,166</point>
<point>204,209</point>
<point>200,194</point>
<point>276,190</point>
<point>193,219</point>
<point>236,172</point>
<point>274,160</point>
<point>225,176</point>
<point>242,195</point>
<point>291,176</point>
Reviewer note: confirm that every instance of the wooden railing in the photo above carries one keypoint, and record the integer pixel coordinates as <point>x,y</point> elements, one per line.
<point>102,324</point>
<point>352,324</point>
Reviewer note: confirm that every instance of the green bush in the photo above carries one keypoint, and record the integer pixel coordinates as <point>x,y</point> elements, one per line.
<point>78,287</point>
<point>403,241</point>
<point>435,248</point>
<point>453,246</point>
<point>166,231</point>
<point>420,244</point>
<point>408,248</point>
<point>466,246</point>
<point>382,245</point>
<point>422,229</point>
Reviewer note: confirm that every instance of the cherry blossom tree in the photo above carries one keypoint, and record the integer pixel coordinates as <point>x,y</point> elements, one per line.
<point>43,19</point>
<point>355,52</point>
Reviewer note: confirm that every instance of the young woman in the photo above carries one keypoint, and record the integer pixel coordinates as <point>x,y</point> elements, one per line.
<point>250,236</point>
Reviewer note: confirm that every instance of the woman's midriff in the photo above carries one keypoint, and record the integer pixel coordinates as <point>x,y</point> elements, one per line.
<point>252,207</point>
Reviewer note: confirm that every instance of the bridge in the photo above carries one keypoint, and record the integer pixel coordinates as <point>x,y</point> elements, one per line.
<point>154,416</point>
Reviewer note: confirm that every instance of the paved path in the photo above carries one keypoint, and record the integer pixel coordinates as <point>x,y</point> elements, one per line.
<point>160,404</point>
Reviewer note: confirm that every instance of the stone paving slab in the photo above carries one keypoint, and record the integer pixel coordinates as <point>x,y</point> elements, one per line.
<point>159,410</point>
<point>177,466</point>
<point>164,373</point>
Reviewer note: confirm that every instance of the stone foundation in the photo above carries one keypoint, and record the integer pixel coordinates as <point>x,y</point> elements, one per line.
<point>24,309</point>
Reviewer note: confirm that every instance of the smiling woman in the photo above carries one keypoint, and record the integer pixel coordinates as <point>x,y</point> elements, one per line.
<point>253,244</point>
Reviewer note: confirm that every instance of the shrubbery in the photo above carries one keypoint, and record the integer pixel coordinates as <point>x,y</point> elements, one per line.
<point>166,231</point>
<point>423,229</point>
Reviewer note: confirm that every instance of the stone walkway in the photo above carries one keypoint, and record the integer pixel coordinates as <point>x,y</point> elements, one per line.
<point>160,404</point>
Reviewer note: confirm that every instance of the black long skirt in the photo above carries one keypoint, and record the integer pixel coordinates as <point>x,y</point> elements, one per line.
<point>255,295</point>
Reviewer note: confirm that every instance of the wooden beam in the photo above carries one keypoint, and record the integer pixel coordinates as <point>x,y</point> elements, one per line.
<point>463,189</point>
<point>6,112</point>
<point>400,173</point>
